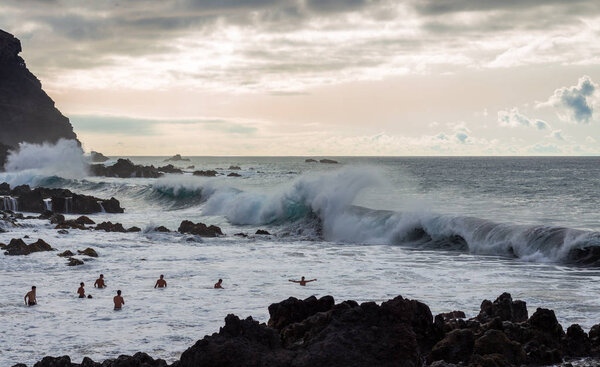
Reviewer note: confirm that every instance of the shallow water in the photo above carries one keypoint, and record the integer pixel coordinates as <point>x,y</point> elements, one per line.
<point>329,245</point>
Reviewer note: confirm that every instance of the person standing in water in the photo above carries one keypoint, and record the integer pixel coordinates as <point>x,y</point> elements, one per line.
<point>99,283</point>
<point>29,298</point>
<point>118,300</point>
<point>302,281</point>
<point>218,285</point>
<point>81,291</point>
<point>161,283</point>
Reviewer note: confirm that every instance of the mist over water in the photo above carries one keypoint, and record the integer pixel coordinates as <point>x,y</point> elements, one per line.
<point>447,231</point>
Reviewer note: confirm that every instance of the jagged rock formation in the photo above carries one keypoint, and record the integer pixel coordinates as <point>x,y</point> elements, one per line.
<point>98,157</point>
<point>399,332</point>
<point>177,158</point>
<point>27,114</point>
<point>124,168</point>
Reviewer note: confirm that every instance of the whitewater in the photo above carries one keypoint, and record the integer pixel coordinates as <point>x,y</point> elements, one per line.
<point>447,231</point>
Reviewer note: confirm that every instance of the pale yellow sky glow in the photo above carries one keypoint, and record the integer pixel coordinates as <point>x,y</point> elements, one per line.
<point>331,77</point>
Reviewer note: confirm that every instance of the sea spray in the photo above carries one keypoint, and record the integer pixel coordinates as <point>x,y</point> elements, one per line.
<point>31,163</point>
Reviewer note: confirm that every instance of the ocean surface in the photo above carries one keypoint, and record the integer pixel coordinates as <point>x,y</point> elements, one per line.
<point>449,232</point>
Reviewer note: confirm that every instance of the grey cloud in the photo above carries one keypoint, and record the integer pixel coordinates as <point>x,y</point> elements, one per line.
<point>575,103</point>
<point>436,7</point>
<point>542,125</point>
<point>514,118</point>
<point>462,137</point>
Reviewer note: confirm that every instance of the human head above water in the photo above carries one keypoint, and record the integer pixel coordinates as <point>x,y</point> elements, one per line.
<point>161,276</point>
<point>101,275</point>
<point>33,288</point>
<point>119,292</point>
<point>81,284</point>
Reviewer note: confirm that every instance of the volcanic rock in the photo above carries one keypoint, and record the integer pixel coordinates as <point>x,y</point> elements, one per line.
<point>84,220</point>
<point>27,113</point>
<point>235,168</point>
<point>162,229</point>
<point>199,229</point>
<point>18,247</point>
<point>88,252</point>
<point>262,232</point>
<point>66,253</point>
<point>328,161</point>
<point>233,174</point>
<point>176,158</point>
<point>74,262</point>
<point>97,157</point>
<point>124,168</point>
<point>208,173</point>
<point>169,169</point>
<point>110,227</point>
<point>310,160</point>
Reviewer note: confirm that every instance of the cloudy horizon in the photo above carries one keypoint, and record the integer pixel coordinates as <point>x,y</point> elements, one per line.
<point>319,77</point>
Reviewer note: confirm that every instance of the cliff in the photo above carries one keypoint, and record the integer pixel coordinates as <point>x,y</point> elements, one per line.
<point>27,114</point>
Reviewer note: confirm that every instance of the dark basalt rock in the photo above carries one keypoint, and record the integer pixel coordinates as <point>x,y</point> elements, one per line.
<point>177,158</point>
<point>88,252</point>
<point>208,173</point>
<point>74,262</point>
<point>328,161</point>
<point>63,201</point>
<point>18,247</point>
<point>235,168</point>
<point>199,229</point>
<point>310,160</point>
<point>134,229</point>
<point>70,224</point>
<point>233,174</point>
<point>162,229</point>
<point>27,113</point>
<point>262,232</point>
<point>84,220</point>
<point>110,227</point>
<point>137,360</point>
<point>169,169</point>
<point>124,168</point>
<point>399,332</point>
<point>504,308</point>
<point>66,253</point>
<point>97,157</point>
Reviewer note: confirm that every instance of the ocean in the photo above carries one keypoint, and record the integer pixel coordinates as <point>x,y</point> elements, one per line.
<point>449,232</point>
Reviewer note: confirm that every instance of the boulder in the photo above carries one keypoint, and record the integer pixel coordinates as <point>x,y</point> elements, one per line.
<point>199,229</point>
<point>262,232</point>
<point>495,342</point>
<point>162,229</point>
<point>18,247</point>
<point>234,168</point>
<point>88,252</point>
<point>207,173</point>
<point>294,310</point>
<point>310,160</point>
<point>134,229</point>
<point>110,227</point>
<point>74,262</point>
<point>233,174</point>
<point>84,220</point>
<point>66,253</point>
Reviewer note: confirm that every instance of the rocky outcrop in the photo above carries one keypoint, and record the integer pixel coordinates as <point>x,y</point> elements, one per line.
<point>177,158</point>
<point>310,160</point>
<point>208,173</point>
<point>61,201</point>
<point>18,247</point>
<point>97,157</point>
<point>169,168</point>
<point>124,168</point>
<point>233,174</point>
<point>328,161</point>
<point>399,332</point>
<point>88,252</point>
<point>199,229</point>
<point>27,114</point>
<point>235,168</point>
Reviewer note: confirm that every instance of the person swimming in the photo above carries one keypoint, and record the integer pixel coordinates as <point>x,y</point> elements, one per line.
<point>81,291</point>
<point>302,281</point>
<point>161,283</point>
<point>99,283</point>
<point>218,285</point>
<point>30,299</point>
<point>118,300</point>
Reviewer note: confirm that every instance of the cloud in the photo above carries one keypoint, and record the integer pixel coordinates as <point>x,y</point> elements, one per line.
<point>513,118</point>
<point>557,134</point>
<point>575,104</point>
<point>462,137</point>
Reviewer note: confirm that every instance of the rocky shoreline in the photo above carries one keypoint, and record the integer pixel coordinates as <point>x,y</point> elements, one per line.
<point>398,332</point>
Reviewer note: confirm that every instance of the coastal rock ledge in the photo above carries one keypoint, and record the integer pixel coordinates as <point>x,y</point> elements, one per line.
<point>399,332</point>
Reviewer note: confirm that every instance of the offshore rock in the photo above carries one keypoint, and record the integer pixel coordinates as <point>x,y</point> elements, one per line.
<point>97,157</point>
<point>124,168</point>
<point>199,229</point>
<point>169,168</point>
<point>177,158</point>
<point>208,173</point>
<point>18,247</point>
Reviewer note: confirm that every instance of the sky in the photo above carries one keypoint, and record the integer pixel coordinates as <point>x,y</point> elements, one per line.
<point>319,77</point>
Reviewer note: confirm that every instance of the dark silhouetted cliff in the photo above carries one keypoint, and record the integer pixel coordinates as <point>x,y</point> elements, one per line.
<point>27,114</point>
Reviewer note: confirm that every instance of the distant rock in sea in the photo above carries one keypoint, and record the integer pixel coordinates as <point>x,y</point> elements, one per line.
<point>98,157</point>
<point>177,158</point>
<point>124,168</point>
<point>27,113</point>
<point>310,160</point>
<point>328,161</point>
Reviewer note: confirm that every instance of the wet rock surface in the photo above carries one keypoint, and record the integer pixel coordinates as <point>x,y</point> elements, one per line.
<point>199,229</point>
<point>399,332</point>
<point>18,247</point>
<point>207,173</point>
<point>124,168</point>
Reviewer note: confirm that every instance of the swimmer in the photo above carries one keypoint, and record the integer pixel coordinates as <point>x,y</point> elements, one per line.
<point>302,281</point>
<point>161,283</point>
<point>218,285</point>
<point>81,291</point>
<point>99,283</point>
<point>29,298</point>
<point>118,300</point>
